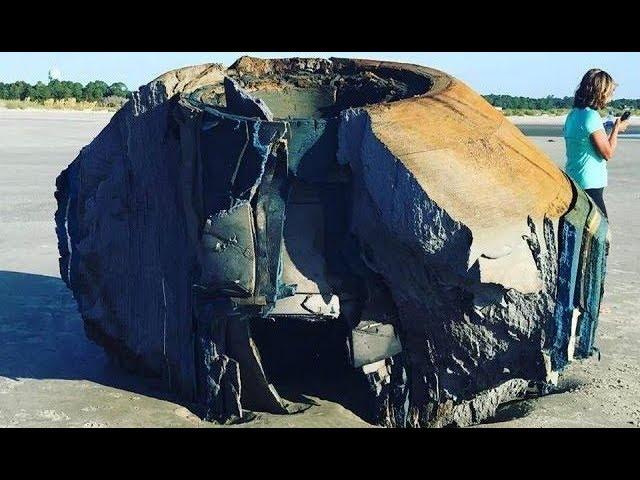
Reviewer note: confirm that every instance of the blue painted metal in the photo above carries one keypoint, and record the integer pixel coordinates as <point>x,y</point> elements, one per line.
<point>571,228</point>
<point>583,249</point>
<point>593,270</point>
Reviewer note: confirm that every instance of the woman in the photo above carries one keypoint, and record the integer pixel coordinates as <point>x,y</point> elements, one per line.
<point>588,146</point>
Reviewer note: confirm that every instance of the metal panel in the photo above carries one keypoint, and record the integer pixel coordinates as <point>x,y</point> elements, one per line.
<point>373,341</point>
<point>229,252</point>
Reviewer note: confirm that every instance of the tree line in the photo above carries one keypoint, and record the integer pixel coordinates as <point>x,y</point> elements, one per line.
<point>551,103</point>
<point>98,90</point>
<point>59,90</point>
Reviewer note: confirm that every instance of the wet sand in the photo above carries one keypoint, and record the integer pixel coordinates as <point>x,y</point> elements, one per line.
<point>52,376</point>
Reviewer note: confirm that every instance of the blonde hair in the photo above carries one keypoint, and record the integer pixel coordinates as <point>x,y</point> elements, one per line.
<point>595,90</point>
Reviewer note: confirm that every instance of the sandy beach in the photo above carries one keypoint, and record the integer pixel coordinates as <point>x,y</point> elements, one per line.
<point>52,376</point>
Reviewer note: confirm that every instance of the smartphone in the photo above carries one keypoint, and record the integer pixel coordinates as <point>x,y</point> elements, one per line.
<point>625,115</point>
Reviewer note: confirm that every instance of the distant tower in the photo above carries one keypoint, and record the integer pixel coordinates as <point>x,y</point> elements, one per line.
<point>54,74</point>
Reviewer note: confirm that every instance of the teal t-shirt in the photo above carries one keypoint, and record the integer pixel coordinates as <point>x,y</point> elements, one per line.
<point>584,163</point>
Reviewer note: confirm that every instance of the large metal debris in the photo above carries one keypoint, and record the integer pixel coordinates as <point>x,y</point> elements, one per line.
<point>389,201</point>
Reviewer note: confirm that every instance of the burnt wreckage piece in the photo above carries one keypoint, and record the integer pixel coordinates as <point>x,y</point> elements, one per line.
<point>376,212</point>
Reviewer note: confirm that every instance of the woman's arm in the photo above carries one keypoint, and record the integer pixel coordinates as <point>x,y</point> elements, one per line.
<point>606,146</point>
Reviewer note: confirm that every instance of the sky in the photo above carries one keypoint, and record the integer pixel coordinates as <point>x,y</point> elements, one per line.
<point>531,74</point>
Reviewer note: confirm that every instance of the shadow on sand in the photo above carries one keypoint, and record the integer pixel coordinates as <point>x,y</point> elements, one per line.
<point>42,337</point>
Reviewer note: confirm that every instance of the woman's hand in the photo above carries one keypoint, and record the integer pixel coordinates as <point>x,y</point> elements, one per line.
<point>622,125</point>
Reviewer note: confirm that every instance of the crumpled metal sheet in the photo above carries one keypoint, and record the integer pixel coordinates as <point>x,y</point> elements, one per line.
<point>234,152</point>
<point>571,233</point>
<point>229,260</point>
<point>241,103</point>
<point>592,271</point>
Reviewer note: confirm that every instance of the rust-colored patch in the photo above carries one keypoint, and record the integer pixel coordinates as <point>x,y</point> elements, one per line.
<point>470,159</point>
